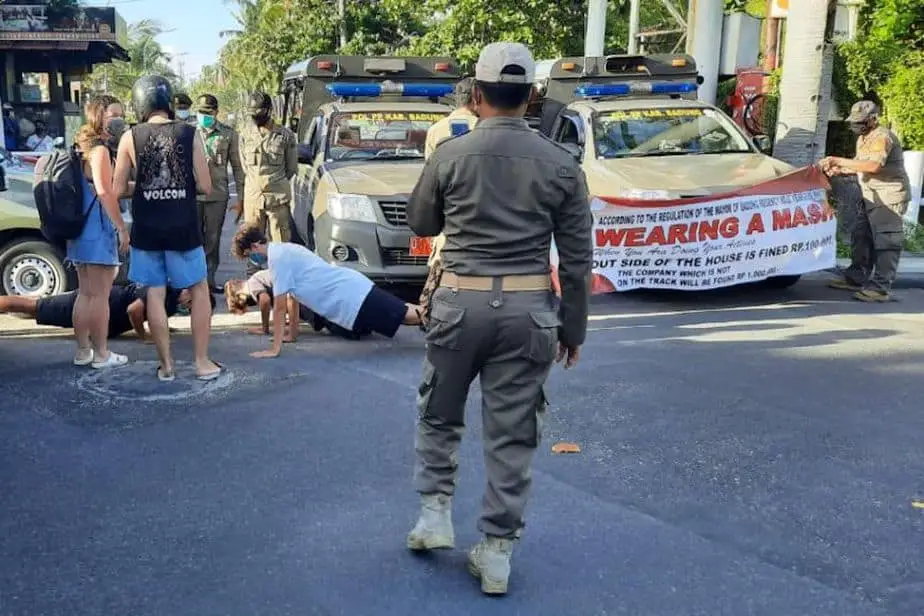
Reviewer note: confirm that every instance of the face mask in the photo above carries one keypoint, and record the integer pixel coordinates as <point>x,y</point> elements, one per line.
<point>258,259</point>
<point>182,114</point>
<point>261,118</point>
<point>859,128</point>
<point>115,127</point>
<point>206,121</point>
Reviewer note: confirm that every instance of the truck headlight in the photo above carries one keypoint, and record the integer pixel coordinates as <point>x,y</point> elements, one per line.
<point>359,208</point>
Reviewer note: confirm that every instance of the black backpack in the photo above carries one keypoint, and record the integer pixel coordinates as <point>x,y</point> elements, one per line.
<point>59,196</point>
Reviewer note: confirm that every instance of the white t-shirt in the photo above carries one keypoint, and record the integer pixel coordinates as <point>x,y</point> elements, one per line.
<point>335,293</point>
<point>40,144</point>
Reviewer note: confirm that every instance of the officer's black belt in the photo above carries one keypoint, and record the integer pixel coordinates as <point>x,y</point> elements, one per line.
<point>528,282</point>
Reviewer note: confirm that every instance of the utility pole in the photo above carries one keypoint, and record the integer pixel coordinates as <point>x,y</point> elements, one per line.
<point>704,42</point>
<point>634,17</point>
<point>595,36</point>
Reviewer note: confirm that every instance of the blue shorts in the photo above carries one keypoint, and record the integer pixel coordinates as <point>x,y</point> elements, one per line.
<point>180,270</point>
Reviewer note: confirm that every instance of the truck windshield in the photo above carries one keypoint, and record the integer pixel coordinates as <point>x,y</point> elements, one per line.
<point>665,132</point>
<point>380,135</point>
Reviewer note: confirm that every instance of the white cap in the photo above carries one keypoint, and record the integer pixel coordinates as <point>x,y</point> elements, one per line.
<point>496,57</point>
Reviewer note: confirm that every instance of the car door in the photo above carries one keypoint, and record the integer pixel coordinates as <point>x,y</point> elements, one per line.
<point>307,179</point>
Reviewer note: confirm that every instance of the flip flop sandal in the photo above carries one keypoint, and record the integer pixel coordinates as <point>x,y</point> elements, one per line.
<point>211,376</point>
<point>163,377</point>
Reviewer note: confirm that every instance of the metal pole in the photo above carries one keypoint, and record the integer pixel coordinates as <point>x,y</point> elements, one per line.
<point>633,25</point>
<point>595,36</point>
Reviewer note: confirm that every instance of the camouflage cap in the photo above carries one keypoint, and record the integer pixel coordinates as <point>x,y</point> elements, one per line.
<point>182,98</point>
<point>259,101</point>
<point>863,111</point>
<point>463,91</point>
<point>206,104</point>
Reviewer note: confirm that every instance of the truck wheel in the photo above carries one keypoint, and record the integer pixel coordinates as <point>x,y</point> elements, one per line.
<point>780,282</point>
<point>34,268</point>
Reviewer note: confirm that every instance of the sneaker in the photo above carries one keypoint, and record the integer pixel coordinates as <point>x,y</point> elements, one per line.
<point>872,295</point>
<point>113,361</point>
<point>844,285</point>
<point>434,527</point>
<point>84,357</point>
<point>489,561</point>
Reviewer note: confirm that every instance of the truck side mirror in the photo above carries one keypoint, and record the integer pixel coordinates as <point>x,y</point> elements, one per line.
<point>305,154</point>
<point>763,143</point>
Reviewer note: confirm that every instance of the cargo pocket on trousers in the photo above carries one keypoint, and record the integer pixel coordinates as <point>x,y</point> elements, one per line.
<point>543,341</point>
<point>542,406</point>
<point>444,328</point>
<point>425,390</point>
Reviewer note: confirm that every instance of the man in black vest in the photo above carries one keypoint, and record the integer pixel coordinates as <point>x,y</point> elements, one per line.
<point>166,237</point>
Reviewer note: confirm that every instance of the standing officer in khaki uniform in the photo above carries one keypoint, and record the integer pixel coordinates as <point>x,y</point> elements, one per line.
<point>499,194</point>
<point>221,148</point>
<point>878,235</point>
<point>270,160</point>
<point>460,121</point>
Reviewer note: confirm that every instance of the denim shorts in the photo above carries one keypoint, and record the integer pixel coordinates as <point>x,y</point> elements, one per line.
<point>180,270</point>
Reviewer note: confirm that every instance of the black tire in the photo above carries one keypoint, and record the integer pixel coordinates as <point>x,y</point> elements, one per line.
<point>34,268</point>
<point>780,282</point>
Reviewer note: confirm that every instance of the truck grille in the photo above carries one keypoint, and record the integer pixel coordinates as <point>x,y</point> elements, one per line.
<point>400,256</point>
<point>395,212</point>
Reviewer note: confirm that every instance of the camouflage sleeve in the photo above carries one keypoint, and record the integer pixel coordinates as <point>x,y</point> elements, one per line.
<point>574,241</point>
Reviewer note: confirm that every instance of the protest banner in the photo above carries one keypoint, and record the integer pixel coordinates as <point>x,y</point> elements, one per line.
<point>781,227</point>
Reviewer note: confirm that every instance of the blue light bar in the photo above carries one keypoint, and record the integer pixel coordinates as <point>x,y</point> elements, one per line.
<point>609,89</point>
<point>638,87</point>
<point>673,88</point>
<point>378,89</point>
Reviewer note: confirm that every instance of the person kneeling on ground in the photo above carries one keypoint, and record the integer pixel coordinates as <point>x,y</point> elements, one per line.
<point>127,309</point>
<point>258,291</point>
<point>341,295</point>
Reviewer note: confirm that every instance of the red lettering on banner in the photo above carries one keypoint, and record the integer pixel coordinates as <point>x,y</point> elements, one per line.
<point>797,217</point>
<point>686,233</point>
<point>756,225</point>
<point>677,234</point>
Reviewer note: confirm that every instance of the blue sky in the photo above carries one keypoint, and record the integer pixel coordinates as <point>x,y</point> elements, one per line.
<point>194,26</point>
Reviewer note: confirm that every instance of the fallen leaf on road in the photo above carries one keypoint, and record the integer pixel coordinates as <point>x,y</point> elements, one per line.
<point>563,447</point>
<point>917,504</point>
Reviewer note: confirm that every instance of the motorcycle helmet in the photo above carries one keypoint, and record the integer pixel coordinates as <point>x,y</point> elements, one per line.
<point>152,93</point>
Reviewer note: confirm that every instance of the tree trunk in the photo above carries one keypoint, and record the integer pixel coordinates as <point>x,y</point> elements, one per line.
<point>805,90</point>
<point>342,25</point>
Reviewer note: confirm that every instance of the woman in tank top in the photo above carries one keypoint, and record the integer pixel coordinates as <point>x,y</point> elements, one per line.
<point>96,252</point>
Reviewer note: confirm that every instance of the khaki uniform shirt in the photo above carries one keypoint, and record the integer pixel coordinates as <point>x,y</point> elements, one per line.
<point>890,186</point>
<point>270,160</point>
<point>222,146</point>
<point>499,194</point>
<point>441,130</point>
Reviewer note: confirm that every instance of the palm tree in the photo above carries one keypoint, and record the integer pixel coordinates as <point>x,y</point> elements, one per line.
<point>147,57</point>
<point>805,90</point>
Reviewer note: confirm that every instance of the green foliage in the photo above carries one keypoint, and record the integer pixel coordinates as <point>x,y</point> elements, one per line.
<point>147,57</point>
<point>884,63</point>
<point>273,34</point>
<point>757,8</point>
<point>903,97</point>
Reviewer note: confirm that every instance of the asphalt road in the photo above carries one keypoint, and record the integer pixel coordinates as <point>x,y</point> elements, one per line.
<point>742,453</point>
